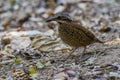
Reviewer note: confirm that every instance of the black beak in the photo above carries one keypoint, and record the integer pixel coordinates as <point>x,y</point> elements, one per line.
<point>50,19</point>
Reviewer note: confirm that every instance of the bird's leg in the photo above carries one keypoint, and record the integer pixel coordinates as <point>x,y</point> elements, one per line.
<point>72,51</point>
<point>84,50</point>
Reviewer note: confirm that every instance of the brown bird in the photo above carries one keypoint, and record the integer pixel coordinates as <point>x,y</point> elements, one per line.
<point>73,33</point>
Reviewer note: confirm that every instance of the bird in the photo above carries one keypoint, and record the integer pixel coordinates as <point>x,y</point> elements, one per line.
<point>72,33</point>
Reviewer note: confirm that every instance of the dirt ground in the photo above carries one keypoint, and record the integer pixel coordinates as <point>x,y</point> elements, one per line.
<point>30,48</point>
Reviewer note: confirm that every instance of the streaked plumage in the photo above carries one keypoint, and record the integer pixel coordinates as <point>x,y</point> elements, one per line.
<point>72,33</point>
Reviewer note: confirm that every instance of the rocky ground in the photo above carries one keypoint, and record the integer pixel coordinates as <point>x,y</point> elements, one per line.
<point>30,48</point>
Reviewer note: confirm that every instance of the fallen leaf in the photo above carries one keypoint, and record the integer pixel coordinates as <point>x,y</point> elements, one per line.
<point>33,72</point>
<point>40,65</point>
<point>17,60</point>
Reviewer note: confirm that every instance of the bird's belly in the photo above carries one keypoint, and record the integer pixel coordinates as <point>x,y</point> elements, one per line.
<point>70,42</point>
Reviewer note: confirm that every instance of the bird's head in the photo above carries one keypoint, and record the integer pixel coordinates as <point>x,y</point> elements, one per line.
<point>61,18</point>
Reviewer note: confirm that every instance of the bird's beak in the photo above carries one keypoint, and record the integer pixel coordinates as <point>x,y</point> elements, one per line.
<point>51,19</point>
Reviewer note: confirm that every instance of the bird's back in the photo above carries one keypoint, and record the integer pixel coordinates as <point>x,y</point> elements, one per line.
<point>76,35</point>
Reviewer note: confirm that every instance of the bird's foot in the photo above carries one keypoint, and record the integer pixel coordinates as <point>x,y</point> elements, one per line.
<point>65,58</point>
<point>81,58</point>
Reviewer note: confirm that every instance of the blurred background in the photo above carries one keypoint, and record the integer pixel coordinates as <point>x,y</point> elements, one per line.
<point>98,15</point>
<point>26,19</point>
<point>31,14</point>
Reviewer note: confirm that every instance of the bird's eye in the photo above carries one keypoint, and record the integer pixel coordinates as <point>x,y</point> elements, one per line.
<point>59,17</point>
<point>62,18</point>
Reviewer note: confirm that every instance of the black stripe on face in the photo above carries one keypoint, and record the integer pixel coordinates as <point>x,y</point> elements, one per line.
<point>50,19</point>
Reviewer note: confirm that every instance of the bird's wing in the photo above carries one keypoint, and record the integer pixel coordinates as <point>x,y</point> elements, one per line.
<point>84,31</point>
<point>87,32</point>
